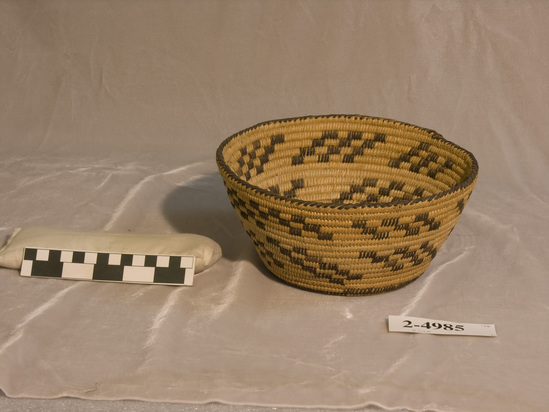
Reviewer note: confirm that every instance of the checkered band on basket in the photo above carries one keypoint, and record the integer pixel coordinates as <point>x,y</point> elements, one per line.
<point>348,205</point>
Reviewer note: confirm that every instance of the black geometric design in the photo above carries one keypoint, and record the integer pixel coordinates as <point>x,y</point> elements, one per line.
<point>294,224</point>
<point>170,274</point>
<point>418,158</point>
<point>274,253</point>
<point>296,185</point>
<point>334,142</point>
<point>371,190</point>
<point>49,267</point>
<point>104,271</point>
<point>316,266</point>
<point>252,159</point>
<point>425,220</point>
<point>299,256</point>
<point>391,227</point>
<point>401,257</point>
<point>111,267</point>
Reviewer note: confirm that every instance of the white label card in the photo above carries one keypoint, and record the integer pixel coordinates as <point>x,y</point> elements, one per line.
<point>412,324</point>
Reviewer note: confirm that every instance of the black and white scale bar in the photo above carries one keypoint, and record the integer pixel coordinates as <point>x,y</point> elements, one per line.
<point>108,267</point>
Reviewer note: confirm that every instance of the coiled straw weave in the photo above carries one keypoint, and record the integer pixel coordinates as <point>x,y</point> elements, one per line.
<point>347,205</point>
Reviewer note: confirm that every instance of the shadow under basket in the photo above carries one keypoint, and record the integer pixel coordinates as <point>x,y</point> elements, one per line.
<point>346,205</point>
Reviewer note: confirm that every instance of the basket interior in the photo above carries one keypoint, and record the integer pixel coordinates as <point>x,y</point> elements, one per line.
<point>346,160</point>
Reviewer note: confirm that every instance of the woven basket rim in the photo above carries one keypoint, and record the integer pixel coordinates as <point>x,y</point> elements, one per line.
<point>336,205</point>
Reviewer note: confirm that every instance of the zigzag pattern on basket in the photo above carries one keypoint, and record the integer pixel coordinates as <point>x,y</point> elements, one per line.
<point>251,161</point>
<point>270,247</point>
<point>335,147</point>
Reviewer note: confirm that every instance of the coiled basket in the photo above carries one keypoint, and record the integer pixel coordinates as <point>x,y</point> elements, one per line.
<point>347,205</point>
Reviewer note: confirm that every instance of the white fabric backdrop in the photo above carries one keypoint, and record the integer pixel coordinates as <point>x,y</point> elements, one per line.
<point>110,114</point>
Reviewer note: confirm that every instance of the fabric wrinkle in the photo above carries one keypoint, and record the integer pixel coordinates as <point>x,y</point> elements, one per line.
<point>19,330</point>
<point>228,295</point>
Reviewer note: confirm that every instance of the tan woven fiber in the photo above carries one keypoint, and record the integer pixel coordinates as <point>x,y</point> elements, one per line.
<point>347,205</point>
